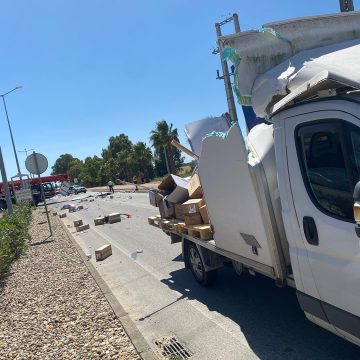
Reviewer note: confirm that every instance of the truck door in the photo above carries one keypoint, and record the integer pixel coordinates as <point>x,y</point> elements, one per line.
<point>323,155</point>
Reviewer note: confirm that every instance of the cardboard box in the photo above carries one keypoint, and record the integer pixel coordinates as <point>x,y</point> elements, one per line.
<point>72,208</point>
<point>176,187</point>
<point>179,212</point>
<point>62,215</point>
<point>193,206</point>
<point>167,209</point>
<point>192,219</point>
<point>103,252</point>
<point>194,187</point>
<point>78,223</point>
<point>99,220</point>
<point>204,214</point>
<point>82,227</point>
<point>114,218</point>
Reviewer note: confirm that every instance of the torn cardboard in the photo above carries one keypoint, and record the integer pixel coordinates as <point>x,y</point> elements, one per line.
<point>176,187</point>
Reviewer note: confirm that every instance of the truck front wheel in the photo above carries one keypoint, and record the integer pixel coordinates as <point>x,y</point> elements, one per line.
<point>205,278</point>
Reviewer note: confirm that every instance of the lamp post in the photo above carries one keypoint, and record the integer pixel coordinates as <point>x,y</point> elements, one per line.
<point>11,135</point>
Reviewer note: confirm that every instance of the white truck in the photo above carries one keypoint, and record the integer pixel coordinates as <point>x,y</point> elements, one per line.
<point>281,199</point>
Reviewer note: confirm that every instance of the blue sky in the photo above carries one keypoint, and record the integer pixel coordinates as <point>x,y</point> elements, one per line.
<point>92,69</point>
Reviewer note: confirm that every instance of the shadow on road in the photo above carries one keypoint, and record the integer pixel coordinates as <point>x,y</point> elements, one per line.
<point>269,317</point>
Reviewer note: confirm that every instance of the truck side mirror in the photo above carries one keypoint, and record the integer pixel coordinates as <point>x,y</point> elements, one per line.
<point>356,208</point>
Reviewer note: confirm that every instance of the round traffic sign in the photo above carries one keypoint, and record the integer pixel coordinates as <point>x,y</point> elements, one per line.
<point>40,159</point>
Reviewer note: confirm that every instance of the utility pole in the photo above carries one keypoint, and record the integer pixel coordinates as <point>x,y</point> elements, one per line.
<point>224,65</point>
<point>346,5</point>
<point>26,153</point>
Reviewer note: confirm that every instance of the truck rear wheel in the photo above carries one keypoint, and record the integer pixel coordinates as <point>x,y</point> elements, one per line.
<point>205,278</point>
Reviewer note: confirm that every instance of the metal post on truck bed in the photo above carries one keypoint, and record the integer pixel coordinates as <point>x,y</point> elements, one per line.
<point>224,65</point>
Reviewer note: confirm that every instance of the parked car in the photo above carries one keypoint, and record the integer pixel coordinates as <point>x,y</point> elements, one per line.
<point>77,189</point>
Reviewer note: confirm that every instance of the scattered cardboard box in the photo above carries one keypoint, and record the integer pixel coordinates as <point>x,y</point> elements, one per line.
<point>194,187</point>
<point>54,213</point>
<point>62,215</point>
<point>72,208</point>
<point>114,218</point>
<point>103,252</point>
<point>204,214</point>
<point>99,220</point>
<point>176,187</point>
<point>78,223</point>
<point>82,227</point>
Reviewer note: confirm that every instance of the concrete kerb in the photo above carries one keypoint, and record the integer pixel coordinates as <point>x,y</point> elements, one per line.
<point>135,336</point>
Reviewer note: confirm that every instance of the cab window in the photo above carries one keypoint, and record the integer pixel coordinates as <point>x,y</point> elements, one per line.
<point>329,154</point>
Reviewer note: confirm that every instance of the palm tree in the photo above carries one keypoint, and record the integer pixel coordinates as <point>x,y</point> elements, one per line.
<point>161,138</point>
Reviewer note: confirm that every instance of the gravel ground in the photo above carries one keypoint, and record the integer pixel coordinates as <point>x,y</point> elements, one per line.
<point>51,307</point>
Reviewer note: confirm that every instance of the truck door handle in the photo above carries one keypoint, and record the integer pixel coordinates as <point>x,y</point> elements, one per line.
<point>310,230</point>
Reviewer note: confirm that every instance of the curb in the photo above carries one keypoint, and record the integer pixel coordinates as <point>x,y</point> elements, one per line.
<point>137,339</point>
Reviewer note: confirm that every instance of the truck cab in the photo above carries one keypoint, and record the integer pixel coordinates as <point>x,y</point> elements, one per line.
<point>317,147</point>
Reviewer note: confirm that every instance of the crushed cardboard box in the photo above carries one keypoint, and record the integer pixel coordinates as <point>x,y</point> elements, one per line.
<point>167,209</point>
<point>176,188</point>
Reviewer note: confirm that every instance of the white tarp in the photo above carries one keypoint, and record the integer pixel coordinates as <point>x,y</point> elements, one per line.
<point>197,130</point>
<point>267,59</point>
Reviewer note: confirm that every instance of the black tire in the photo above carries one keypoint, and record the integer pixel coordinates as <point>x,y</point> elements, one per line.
<point>196,265</point>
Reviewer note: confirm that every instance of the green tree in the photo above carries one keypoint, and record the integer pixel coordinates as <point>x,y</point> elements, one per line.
<point>161,138</point>
<point>118,150</point>
<point>76,167</point>
<point>61,165</point>
<point>117,145</point>
<point>90,172</point>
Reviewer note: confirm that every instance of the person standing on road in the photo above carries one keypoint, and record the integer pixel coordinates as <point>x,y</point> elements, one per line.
<point>111,186</point>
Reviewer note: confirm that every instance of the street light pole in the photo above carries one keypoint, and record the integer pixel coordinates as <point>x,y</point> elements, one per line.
<point>11,134</point>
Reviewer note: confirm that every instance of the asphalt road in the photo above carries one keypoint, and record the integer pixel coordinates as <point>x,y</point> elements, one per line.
<point>239,318</point>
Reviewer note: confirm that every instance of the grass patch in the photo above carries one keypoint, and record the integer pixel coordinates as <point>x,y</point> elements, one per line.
<point>14,234</point>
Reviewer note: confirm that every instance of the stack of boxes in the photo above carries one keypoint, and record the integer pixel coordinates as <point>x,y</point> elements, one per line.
<point>181,199</point>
